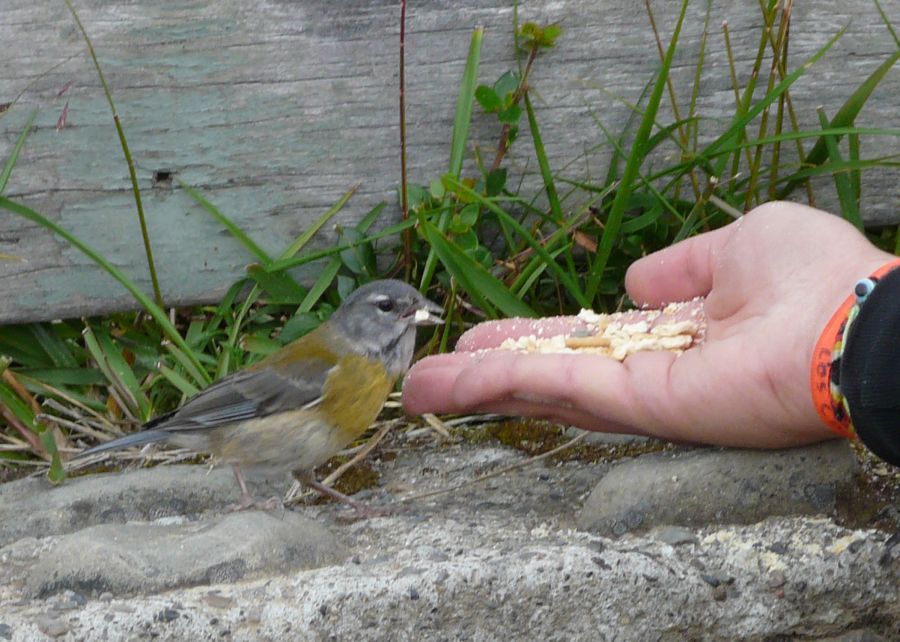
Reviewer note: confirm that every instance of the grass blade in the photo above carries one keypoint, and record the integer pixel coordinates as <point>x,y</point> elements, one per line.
<point>632,166</point>
<point>200,375</point>
<point>461,120</point>
<point>464,101</point>
<point>849,205</point>
<point>54,346</point>
<point>128,159</point>
<point>564,277</point>
<point>14,155</point>
<point>183,385</point>
<point>152,309</point>
<point>326,277</point>
<point>301,241</point>
<point>845,116</point>
<point>227,223</point>
<point>484,289</point>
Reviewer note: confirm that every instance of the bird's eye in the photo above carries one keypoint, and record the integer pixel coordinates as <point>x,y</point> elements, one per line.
<point>385,305</point>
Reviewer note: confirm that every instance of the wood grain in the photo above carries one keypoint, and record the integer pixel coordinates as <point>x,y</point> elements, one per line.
<point>274,108</point>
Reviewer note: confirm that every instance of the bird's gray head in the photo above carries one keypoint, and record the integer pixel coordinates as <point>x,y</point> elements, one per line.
<point>380,318</point>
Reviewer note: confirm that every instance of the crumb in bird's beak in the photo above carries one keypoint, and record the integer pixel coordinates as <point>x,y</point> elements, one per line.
<point>424,316</point>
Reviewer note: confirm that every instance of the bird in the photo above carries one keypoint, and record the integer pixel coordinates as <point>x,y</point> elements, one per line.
<point>299,406</point>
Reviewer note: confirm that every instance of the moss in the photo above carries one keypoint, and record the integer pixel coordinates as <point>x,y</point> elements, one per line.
<point>536,437</point>
<point>358,477</point>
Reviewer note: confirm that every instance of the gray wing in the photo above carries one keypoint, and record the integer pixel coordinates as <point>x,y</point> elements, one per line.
<point>248,394</point>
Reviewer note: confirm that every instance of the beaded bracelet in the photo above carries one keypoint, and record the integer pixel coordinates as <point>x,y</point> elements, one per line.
<point>825,372</point>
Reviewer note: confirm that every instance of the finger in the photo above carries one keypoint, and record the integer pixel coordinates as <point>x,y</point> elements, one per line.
<point>685,399</point>
<point>427,385</point>
<point>491,334</point>
<point>677,273</point>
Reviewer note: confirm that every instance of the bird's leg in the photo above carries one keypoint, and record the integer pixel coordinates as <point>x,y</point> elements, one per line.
<point>362,510</point>
<point>247,500</point>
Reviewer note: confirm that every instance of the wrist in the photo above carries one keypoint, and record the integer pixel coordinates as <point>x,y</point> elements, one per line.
<point>855,371</point>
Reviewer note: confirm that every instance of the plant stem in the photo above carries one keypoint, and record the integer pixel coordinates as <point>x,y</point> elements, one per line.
<point>131,171</point>
<point>521,90</point>
<point>404,200</point>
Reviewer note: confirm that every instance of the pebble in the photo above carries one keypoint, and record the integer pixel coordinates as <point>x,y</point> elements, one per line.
<point>674,535</point>
<point>167,615</point>
<point>5,631</point>
<point>218,601</point>
<point>51,625</point>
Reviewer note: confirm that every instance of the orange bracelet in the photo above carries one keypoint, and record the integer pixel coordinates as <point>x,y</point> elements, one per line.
<point>824,380</point>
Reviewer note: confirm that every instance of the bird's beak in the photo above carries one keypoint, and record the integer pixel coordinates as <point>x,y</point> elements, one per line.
<point>428,314</point>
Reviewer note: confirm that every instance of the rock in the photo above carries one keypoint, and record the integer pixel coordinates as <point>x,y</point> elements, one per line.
<point>674,535</point>
<point>858,635</point>
<point>34,508</point>
<point>5,631</point>
<point>722,486</point>
<point>517,568</point>
<point>604,438</point>
<point>126,559</point>
<point>51,625</point>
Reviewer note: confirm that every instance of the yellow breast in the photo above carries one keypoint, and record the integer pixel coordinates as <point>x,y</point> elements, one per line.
<point>355,392</point>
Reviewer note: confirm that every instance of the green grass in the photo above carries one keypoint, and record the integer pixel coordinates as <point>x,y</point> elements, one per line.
<point>472,238</point>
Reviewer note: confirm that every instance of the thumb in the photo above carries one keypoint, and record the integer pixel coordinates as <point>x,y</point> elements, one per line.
<point>677,273</point>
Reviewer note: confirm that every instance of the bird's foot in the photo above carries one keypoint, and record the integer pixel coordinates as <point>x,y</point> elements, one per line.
<point>360,510</point>
<point>248,503</point>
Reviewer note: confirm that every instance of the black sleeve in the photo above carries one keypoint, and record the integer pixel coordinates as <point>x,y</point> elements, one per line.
<point>870,369</point>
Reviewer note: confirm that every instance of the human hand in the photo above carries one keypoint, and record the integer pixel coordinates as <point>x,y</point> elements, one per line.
<point>771,281</point>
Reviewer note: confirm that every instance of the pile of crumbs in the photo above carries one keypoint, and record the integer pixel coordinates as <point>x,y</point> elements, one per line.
<point>610,336</point>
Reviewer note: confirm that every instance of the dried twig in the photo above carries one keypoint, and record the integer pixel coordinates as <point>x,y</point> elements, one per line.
<point>294,492</point>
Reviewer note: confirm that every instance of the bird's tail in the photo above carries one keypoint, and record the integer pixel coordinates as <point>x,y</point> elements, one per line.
<point>136,439</point>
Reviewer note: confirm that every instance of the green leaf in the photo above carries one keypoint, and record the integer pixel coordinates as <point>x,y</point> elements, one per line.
<point>496,181</point>
<point>65,376</point>
<point>481,286</point>
<point>56,474</point>
<point>469,215</point>
<point>436,189</point>
<point>300,324</point>
<point>512,135</point>
<point>551,33</point>
<point>567,279</point>
<point>510,116</point>
<point>260,345</point>
<point>506,87</point>
<point>18,407</point>
<point>846,196</point>
<point>112,363</point>
<point>280,286</point>
<point>488,99</point>
<point>345,285</point>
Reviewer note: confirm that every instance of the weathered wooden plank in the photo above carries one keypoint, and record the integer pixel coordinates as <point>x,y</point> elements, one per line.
<point>275,108</point>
